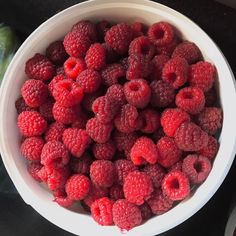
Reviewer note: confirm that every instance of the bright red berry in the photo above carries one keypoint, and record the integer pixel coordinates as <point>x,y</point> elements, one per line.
<point>54,81</point>
<point>33,169</point>
<point>54,132</point>
<point>115,94</point>
<point>116,192</point>
<point>151,120</point>
<point>74,66</point>
<point>21,106</point>
<point>104,151</point>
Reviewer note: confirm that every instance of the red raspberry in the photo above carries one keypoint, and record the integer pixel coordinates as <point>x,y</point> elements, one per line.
<point>34,92</point>
<point>115,94</point>
<point>124,62</point>
<point>102,27</point>
<point>111,55</point>
<point>54,132</point>
<point>156,173</point>
<point>54,153</point>
<point>138,29</point>
<point>102,173</point>
<point>81,165</point>
<point>99,132</point>
<point>144,151</point>
<point>137,187</point>
<point>33,169</point>
<point>116,192</point>
<point>175,185</point>
<point>42,174</point>
<point>46,110</point>
<point>56,53</point>
<point>62,199</point>
<point>81,121</point>
<point>39,67</point>
<point>126,215</point>
<point>96,57</point>
<point>21,106</point>
<point>104,151</point>
<point>161,33</point>
<point>54,81</point>
<point>77,187</point>
<point>188,51</point>
<point>74,66</point>
<point>31,148</point>
<point>202,75</point>
<point>175,72</point>
<point>119,37</point>
<point>143,46</point>
<point>151,120</point>
<point>210,97</point>
<point>146,211</point>
<point>76,140</point>
<point>158,135</point>
<point>60,70</point>
<point>162,93</point>
<point>171,119</point>
<point>159,203</point>
<point>197,168</point>
<point>31,123</point>
<point>137,93</point>
<point>169,48</point>
<point>176,166</point>
<point>89,99</point>
<point>112,73</point>
<point>158,63</point>
<point>101,211</point>
<point>190,99</point>
<point>210,119</point>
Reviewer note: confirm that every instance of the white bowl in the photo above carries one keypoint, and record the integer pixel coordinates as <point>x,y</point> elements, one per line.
<point>55,28</point>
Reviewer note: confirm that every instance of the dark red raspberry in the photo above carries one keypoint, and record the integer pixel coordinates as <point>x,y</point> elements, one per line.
<point>33,169</point>
<point>31,148</point>
<point>158,63</point>
<point>60,70</point>
<point>34,92</point>
<point>115,94</point>
<point>39,67</point>
<point>176,166</point>
<point>102,173</point>
<point>190,137</point>
<point>169,48</point>
<point>126,215</point>
<point>137,93</point>
<point>162,93</point>
<point>190,99</point>
<point>74,66</point>
<point>210,97</point>
<point>81,165</point>
<point>54,132</point>
<point>77,187</point>
<point>112,74</point>
<point>46,110</point>
<point>54,81</point>
<point>89,99</point>
<point>161,33</point>
<point>119,37</point>
<point>116,192</point>
<point>31,123</point>
<point>81,121</point>
<point>144,151</point>
<point>158,135</point>
<point>210,119</point>
<point>175,72</point>
<point>104,151</point>
<point>175,185</point>
<point>21,106</point>
<point>76,140</point>
<point>124,62</point>
<point>151,120</point>
<point>171,119</point>
<point>197,168</point>
<point>102,27</point>
<point>101,211</point>
<point>56,52</point>
<point>138,29</point>
<point>202,75</point>
<point>99,132</point>
<point>146,211</point>
<point>111,55</point>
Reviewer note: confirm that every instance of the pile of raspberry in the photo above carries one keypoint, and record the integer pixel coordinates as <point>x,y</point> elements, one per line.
<point>122,118</point>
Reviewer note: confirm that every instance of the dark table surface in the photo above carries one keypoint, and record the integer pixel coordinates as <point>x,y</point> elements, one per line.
<point>17,218</point>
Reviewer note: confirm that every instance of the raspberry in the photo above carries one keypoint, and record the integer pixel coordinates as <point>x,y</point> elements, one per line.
<point>99,132</point>
<point>56,53</point>
<point>158,135</point>
<point>175,185</point>
<point>42,174</point>
<point>151,120</point>
<point>54,81</point>
<point>156,173</point>
<point>162,93</point>
<point>138,29</point>
<point>77,187</point>
<point>159,203</point>
<point>102,173</point>
<point>96,57</point>
<point>176,166</point>
<point>143,46</point>
<point>169,48</point>
<point>190,99</point>
<point>60,70</point>
<point>33,169</point>
<point>54,132</point>
<point>124,62</point>
<point>31,148</point>
<point>197,168</point>
<point>112,73</point>
<point>158,63</point>
<point>190,137</point>
<point>81,121</point>
<point>111,55</point>
<point>63,201</point>
<point>202,75</point>
<point>189,51</point>
<point>119,37</point>
<point>54,153</point>
<point>169,153</point>
<point>39,67</point>
<point>146,211</point>
<point>144,151</point>
<point>21,106</point>
<point>210,97</point>
<point>46,110</point>
<point>210,119</point>
<point>137,93</point>
<point>74,66</point>
<point>137,187</point>
<point>116,192</point>
<point>115,94</point>
<point>171,119</point>
<point>104,151</point>
<point>76,43</point>
<point>161,33</point>
<point>175,72</point>
<point>89,99</point>
<point>31,123</point>
<point>81,165</point>
<point>102,27</point>
<point>76,140</point>
<point>101,211</point>
<point>68,93</point>
<point>126,215</point>
<point>34,92</point>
